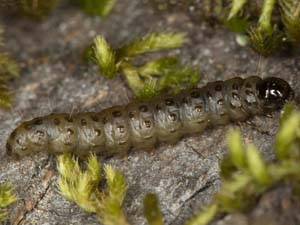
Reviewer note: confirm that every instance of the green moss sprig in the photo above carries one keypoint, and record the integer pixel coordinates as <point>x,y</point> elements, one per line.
<point>151,210</point>
<point>290,14</point>
<point>8,71</point>
<point>7,197</point>
<point>96,7</point>
<point>154,76</point>
<point>82,187</point>
<point>237,6</point>
<point>36,9</point>
<point>265,38</point>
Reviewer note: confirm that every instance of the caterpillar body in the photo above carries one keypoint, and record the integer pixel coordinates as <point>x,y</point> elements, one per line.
<point>141,125</point>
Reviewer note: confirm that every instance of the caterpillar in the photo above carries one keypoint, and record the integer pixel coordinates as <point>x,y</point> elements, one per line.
<point>141,125</point>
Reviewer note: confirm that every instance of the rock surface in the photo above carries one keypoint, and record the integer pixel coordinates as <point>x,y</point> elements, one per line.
<point>54,79</point>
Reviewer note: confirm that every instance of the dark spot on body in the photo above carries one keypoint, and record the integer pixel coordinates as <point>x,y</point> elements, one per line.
<point>95,118</point>
<point>169,102</point>
<point>143,108</point>
<point>56,121</point>
<point>40,133</point>
<point>220,102</point>
<point>208,94</point>
<point>147,123</point>
<point>98,132</point>
<point>235,86</point>
<point>37,121</point>
<point>195,94</point>
<point>218,87</point>
<point>158,108</point>
<point>184,100</point>
<point>173,117</point>
<point>116,113</point>
<point>248,85</point>
<point>70,131</point>
<point>104,120</point>
<point>121,129</point>
<point>83,122</point>
<point>131,115</point>
<point>198,108</point>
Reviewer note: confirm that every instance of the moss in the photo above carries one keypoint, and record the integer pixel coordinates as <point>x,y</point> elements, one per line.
<point>150,79</point>
<point>290,15</point>
<point>151,210</point>
<point>278,25</point>
<point>264,38</point>
<point>7,197</point>
<point>36,9</point>
<point>265,42</point>
<point>8,71</point>
<point>81,187</point>
<point>96,7</point>
<point>246,176</point>
<point>40,9</point>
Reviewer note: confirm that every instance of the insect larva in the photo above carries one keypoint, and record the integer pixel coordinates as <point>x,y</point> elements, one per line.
<point>142,125</point>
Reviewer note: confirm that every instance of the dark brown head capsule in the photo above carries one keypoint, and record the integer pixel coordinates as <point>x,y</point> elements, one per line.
<point>273,93</point>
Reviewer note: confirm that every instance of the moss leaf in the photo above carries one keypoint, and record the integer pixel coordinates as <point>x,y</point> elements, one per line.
<point>236,149</point>
<point>152,42</point>
<point>236,7</point>
<point>151,210</point>
<point>105,57</point>
<point>97,7</point>
<point>204,217</point>
<point>257,166</point>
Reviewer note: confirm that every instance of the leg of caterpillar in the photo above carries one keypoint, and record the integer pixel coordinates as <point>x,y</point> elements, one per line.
<point>142,125</point>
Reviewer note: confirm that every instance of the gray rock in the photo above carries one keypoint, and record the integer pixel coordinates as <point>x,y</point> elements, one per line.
<point>54,79</point>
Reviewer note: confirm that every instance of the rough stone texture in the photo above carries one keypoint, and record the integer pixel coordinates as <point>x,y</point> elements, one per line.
<point>54,79</point>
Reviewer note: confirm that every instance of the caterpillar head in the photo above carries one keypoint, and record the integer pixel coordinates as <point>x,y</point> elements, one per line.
<point>27,138</point>
<point>274,92</point>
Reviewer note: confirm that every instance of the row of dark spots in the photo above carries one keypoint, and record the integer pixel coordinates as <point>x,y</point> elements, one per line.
<point>83,122</point>
<point>142,108</point>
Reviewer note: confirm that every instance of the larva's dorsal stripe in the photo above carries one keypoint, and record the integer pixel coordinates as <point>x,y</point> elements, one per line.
<point>142,125</point>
